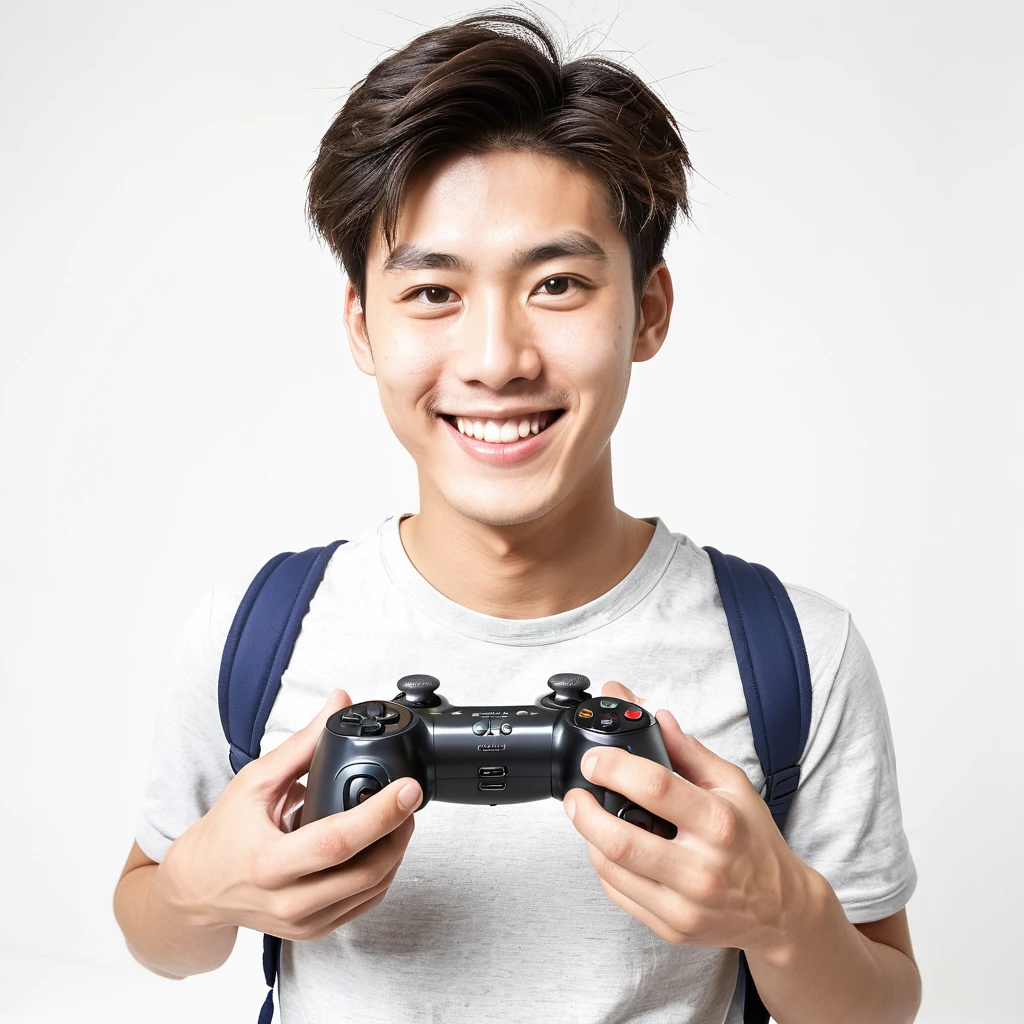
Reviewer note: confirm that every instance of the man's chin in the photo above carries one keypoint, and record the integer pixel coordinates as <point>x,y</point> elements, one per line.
<point>492,510</point>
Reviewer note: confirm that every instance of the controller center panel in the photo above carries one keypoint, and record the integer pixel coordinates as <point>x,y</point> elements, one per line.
<point>492,754</point>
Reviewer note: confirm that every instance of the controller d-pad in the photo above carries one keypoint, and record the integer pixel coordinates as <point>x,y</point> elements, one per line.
<point>370,719</point>
<point>373,712</point>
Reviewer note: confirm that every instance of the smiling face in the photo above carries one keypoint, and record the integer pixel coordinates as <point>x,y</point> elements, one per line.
<point>505,309</point>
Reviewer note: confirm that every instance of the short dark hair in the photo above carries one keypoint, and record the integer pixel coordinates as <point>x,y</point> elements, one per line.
<point>496,80</point>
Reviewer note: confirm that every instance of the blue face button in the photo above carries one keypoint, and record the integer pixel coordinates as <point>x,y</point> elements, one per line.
<point>609,703</point>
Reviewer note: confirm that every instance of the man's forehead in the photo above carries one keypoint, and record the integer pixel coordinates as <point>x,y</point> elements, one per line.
<point>514,207</point>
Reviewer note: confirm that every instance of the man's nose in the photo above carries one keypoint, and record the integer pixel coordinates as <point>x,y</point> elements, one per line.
<point>497,344</point>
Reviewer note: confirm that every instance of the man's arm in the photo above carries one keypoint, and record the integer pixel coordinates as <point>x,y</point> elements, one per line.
<point>828,969</point>
<point>156,934</point>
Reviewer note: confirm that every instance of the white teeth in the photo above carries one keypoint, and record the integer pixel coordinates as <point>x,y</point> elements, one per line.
<point>503,431</point>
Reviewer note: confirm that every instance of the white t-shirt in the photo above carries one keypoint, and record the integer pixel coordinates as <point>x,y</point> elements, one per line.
<point>496,913</point>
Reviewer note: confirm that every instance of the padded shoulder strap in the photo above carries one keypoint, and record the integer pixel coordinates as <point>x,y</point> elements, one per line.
<point>257,650</point>
<point>776,680</point>
<point>773,668</point>
<point>259,645</point>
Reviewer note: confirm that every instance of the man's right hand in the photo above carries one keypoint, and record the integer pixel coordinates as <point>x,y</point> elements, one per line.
<point>237,865</point>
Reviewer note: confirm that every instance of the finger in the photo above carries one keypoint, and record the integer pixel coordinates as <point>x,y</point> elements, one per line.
<point>338,837</point>
<point>317,899</point>
<point>652,786</point>
<point>613,688</point>
<point>649,918</point>
<point>665,902</point>
<point>320,925</point>
<point>358,911</point>
<point>287,819</point>
<point>275,771</point>
<point>695,762</point>
<point>628,845</point>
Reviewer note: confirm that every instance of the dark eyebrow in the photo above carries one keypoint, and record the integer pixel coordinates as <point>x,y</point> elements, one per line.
<point>410,256</point>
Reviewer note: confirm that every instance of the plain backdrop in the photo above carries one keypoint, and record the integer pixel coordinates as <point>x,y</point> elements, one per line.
<point>179,403</point>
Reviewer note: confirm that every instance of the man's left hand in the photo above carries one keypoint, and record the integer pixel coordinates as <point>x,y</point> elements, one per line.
<point>727,878</point>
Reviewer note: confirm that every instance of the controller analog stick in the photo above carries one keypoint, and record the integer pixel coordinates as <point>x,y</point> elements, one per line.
<point>360,788</point>
<point>418,691</point>
<point>569,688</point>
<point>637,816</point>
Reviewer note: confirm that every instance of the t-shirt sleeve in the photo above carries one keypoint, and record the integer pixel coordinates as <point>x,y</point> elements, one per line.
<point>189,765</point>
<point>845,820</point>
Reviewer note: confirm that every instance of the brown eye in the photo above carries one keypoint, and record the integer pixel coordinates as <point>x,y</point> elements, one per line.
<point>431,291</point>
<point>558,290</point>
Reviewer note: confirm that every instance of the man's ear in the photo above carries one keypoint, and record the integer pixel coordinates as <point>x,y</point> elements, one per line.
<point>355,327</point>
<point>655,311</point>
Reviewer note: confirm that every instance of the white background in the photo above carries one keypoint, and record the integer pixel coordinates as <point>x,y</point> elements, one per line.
<point>179,403</point>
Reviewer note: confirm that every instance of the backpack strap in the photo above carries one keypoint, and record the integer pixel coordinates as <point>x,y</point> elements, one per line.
<point>256,653</point>
<point>776,681</point>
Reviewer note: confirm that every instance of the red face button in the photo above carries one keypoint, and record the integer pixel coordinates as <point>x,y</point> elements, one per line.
<point>632,713</point>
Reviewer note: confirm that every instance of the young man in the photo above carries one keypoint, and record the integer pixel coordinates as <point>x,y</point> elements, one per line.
<point>502,219</point>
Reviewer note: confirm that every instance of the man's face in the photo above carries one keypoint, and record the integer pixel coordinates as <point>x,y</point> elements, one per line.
<point>500,334</point>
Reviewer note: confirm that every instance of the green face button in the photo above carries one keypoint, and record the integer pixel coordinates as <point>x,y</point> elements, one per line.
<point>609,703</point>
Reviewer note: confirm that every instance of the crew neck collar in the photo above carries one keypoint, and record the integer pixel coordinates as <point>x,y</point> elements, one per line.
<point>626,594</point>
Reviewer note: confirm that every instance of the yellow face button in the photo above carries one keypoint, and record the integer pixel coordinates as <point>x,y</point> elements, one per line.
<point>585,713</point>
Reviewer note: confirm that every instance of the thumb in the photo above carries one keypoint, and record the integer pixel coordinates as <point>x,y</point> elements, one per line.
<point>613,688</point>
<point>276,770</point>
<point>691,759</point>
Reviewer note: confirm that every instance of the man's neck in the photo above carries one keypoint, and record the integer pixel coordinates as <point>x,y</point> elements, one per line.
<point>564,559</point>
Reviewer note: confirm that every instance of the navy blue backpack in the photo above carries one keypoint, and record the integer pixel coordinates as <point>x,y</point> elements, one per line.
<point>763,625</point>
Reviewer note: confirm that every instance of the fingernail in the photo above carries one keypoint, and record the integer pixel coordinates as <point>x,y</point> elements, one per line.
<point>409,796</point>
<point>588,762</point>
<point>570,806</point>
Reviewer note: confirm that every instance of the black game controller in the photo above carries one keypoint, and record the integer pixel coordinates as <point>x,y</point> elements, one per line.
<point>479,755</point>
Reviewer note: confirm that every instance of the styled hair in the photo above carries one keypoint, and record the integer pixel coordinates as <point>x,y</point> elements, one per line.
<point>496,80</point>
